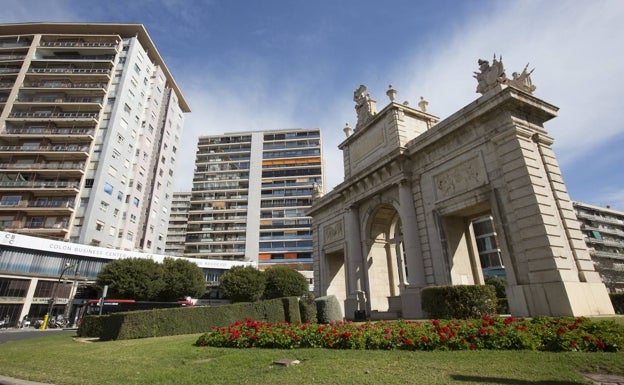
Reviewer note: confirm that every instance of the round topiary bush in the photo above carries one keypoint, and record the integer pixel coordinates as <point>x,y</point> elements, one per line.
<point>284,282</point>
<point>242,284</point>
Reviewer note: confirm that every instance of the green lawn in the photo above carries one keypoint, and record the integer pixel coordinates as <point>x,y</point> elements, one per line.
<point>174,360</point>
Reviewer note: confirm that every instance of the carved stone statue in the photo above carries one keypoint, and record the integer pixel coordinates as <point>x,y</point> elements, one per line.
<point>364,105</point>
<point>423,104</point>
<point>490,75</point>
<point>317,191</point>
<point>523,81</point>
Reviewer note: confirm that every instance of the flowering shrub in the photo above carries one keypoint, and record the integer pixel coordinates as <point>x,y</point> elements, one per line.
<point>541,333</point>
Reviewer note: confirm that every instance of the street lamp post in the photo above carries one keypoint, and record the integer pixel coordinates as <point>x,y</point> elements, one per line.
<point>52,297</point>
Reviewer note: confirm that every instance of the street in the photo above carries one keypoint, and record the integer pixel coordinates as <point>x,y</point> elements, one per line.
<point>15,334</point>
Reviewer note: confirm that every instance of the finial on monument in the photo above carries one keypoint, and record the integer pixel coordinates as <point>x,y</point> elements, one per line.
<point>347,130</point>
<point>392,93</point>
<point>423,104</point>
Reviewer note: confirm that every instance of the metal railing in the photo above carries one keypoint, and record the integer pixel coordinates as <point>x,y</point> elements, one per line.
<point>60,115</point>
<point>77,44</point>
<point>49,131</point>
<point>60,100</point>
<point>75,57</point>
<point>65,148</point>
<point>70,70</point>
<point>42,166</point>
<point>40,184</point>
<point>65,85</point>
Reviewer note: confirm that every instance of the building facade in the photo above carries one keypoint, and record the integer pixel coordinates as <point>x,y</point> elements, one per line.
<point>178,220</point>
<point>415,193</point>
<point>40,275</point>
<point>603,229</point>
<point>90,122</point>
<point>251,191</point>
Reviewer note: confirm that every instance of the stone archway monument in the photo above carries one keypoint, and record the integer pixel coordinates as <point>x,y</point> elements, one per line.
<point>403,217</point>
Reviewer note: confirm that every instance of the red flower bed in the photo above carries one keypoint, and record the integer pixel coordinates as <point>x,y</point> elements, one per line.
<point>541,333</point>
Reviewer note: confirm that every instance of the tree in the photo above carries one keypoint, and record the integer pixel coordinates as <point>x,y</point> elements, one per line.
<point>182,278</point>
<point>132,278</point>
<point>284,282</point>
<point>242,284</point>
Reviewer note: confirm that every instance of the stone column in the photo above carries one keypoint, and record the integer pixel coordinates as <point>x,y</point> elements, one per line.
<point>411,240</point>
<point>355,273</point>
<point>415,280</point>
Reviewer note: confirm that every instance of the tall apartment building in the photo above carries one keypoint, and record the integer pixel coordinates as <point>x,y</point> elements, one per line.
<point>603,229</point>
<point>251,191</point>
<point>178,219</point>
<point>90,122</point>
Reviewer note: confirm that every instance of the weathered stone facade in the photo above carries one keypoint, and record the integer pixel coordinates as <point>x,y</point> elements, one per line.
<point>400,221</point>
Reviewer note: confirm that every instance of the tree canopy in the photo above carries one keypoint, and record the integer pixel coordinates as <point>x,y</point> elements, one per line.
<point>144,279</point>
<point>242,284</point>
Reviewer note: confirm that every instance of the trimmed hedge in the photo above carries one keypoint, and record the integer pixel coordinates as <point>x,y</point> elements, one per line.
<point>617,299</point>
<point>307,308</point>
<point>328,309</point>
<point>459,301</point>
<point>188,320</point>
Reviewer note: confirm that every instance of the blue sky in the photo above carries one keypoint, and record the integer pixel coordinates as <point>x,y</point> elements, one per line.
<point>256,65</point>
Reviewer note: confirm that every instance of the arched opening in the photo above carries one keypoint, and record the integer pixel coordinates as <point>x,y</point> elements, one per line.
<point>385,263</point>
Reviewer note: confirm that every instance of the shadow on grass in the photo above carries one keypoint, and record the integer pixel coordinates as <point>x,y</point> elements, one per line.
<point>501,380</point>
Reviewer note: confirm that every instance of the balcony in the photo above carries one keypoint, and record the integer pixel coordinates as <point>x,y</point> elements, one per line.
<point>71,57</point>
<point>70,71</point>
<point>60,99</point>
<point>606,254</point>
<point>40,207</point>
<point>10,70</point>
<point>92,44</point>
<point>55,115</point>
<point>12,57</point>
<point>58,148</point>
<point>39,131</point>
<point>52,186</point>
<point>6,84</point>
<point>65,84</point>
<point>15,44</point>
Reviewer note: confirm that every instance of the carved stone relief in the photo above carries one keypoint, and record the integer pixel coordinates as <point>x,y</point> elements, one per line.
<point>333,232</point>
<point>461,178</point>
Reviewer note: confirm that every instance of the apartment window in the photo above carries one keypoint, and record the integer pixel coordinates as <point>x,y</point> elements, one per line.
<point>115,213</point>
<point>120,138</point>
<point>84,202</point>
<point>99,225</point>
<point>127,108</point>
<point>88,183</point>
<point>139,186</point>
<point>108,188</point>
<point>119,196</point>
<point>103,206</point>
<point>112,231</point>
<point>132,218</point>
<point>116,154</point>
<point>137,69</point>
<point>135,202</point>
<point>112,171</point>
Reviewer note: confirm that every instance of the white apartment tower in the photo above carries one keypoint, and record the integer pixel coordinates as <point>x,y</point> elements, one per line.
<point>90,122</point>
<point>251,191</point>
<point>178,220</point>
